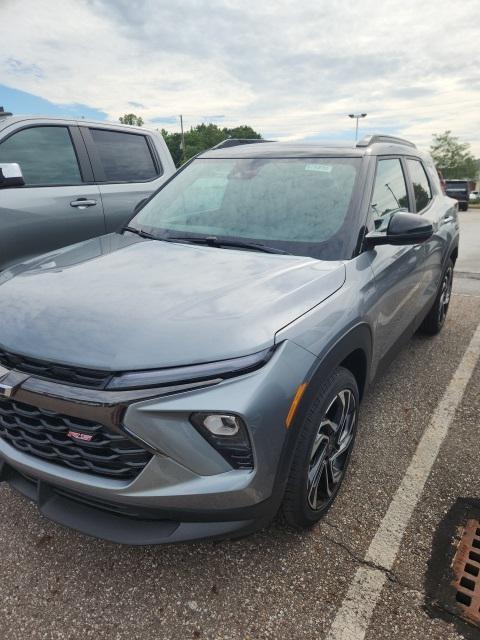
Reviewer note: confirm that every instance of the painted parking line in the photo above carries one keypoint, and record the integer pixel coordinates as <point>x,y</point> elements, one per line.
<point>353,617</point>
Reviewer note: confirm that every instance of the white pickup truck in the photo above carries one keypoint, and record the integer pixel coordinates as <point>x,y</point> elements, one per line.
<point>62,181</point>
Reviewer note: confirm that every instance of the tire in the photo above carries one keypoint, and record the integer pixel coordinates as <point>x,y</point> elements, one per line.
<point>435,319</point>
<point>323,450</point>
<point>463,206</point>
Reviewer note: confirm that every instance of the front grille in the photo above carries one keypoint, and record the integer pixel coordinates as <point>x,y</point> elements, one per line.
<point>67,375</point>
<point>44,434</point>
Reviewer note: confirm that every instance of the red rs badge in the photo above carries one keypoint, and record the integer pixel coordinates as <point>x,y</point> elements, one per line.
<point>75,435</point>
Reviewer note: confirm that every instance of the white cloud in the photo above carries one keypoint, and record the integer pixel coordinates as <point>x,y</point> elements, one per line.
<point>289,70</point>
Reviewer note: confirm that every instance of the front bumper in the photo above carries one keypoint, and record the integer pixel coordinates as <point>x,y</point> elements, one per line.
<point>119,524</point>
<point>187,490</point>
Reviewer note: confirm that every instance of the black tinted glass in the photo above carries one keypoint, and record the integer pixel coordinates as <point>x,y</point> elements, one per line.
<point>456,185</point>
<point>45,155</point>
<point>125,157</point>
<point>421,186</point>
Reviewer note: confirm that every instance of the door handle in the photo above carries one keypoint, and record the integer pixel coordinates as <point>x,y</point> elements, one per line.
<point>447,218</point>
<point>83,203</point>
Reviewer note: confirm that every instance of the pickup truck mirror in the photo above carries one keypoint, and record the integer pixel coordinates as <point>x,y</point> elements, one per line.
<point>403,229</point>
<point>11,175</point>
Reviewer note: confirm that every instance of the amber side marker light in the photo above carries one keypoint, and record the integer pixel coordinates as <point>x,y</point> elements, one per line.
<point>295,402</point>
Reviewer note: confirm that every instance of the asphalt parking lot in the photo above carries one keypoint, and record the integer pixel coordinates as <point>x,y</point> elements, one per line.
<point>56,583</point>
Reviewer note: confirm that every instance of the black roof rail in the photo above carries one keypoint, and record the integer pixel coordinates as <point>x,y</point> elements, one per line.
<point>4,114</point>
<point>234,142</point>
<point>368,140</point>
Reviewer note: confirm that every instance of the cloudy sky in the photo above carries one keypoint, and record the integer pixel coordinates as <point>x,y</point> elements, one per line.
<point>292,70</point>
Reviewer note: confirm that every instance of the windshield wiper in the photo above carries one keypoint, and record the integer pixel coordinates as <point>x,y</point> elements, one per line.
<point>213,241</point>
<point>142,233</point>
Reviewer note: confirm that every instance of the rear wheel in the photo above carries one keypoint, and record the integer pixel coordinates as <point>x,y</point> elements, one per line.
<point>323,450</point>
<point>435,319</point>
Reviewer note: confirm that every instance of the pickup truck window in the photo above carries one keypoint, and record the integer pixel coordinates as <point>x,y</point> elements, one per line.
<point>45,155</point>
<point>125,157</point>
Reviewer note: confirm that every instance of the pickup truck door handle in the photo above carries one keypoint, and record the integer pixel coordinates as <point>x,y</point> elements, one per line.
<point>83,203</point>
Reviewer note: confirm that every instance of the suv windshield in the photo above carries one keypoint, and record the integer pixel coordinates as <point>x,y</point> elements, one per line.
<point>298,205</point>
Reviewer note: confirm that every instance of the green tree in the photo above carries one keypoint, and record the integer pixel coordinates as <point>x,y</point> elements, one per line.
<point>202,137</point>
<point>452,157</point>
<point>174,142</point>
<point>421,196</point>
<point>131,118</point>
<point>243,132</point>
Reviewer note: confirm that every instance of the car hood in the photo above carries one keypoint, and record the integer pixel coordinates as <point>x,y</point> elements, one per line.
<point>121,302</point>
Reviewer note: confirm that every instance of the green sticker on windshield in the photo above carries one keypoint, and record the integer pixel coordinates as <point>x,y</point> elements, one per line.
<point>325,168</point>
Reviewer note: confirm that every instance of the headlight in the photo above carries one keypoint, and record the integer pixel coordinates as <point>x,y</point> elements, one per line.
<point>228,434</point>
<point>194,373</point>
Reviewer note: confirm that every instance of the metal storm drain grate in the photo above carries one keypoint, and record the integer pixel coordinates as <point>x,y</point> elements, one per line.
<point>466,571</point>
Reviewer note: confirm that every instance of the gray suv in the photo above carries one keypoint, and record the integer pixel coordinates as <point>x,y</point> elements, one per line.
<point>202,369</point>
<point>62,181</point>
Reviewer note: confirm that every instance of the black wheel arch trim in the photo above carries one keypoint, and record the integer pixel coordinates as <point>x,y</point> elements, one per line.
<point>358,338</point>
<point>452,249</point>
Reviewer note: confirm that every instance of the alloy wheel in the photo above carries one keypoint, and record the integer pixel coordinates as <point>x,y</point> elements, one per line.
<point>330,450</point>
<point>445,295</point>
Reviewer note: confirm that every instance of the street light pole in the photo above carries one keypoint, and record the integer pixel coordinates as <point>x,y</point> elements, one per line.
<point>182,139</point>
<point>357,117</point>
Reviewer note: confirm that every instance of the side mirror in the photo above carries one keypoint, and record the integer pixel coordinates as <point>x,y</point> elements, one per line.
<point>403,229</point>
<point>11,175</point>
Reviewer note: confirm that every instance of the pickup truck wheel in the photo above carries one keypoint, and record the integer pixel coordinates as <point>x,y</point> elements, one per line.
<point>435,319</point>
<point>323,449</point>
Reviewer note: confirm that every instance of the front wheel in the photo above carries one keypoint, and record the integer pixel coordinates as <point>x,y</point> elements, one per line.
<point>435,319</point>
<point>323,450</point>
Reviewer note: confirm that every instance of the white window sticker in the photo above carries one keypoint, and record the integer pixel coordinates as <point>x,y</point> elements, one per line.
<point>325,168</point>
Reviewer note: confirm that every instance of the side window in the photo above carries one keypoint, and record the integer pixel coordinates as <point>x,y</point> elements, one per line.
<point>125,157</point>
<point>421,186</point>
<point>45,155</point>
<point>389,192</point>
